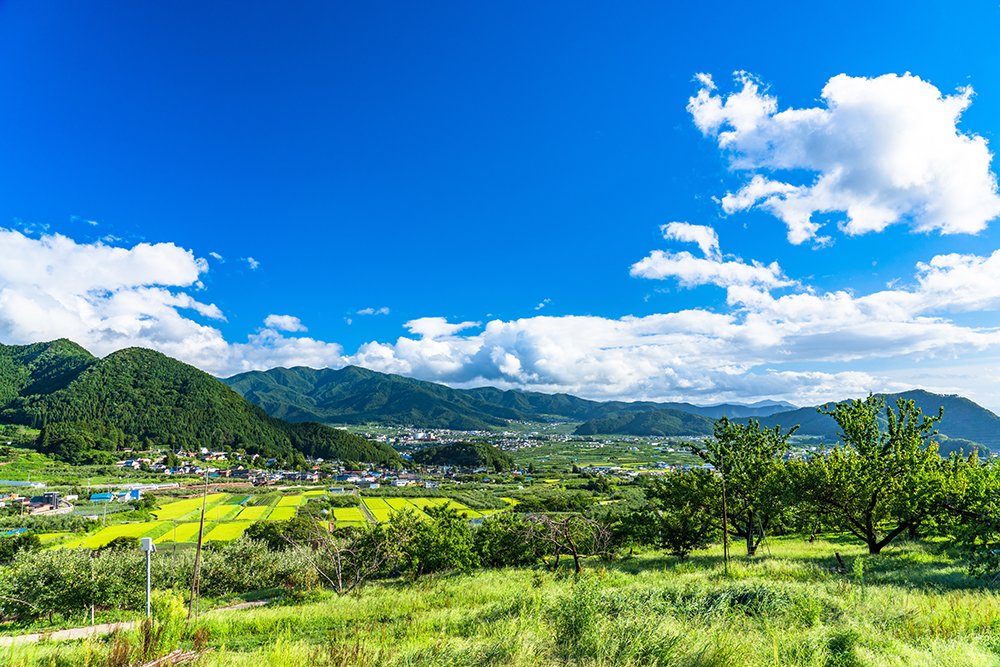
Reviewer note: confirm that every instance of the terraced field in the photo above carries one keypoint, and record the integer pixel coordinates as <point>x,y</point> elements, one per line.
<point>349,515</point>
<point>225,532</point>
<point>254,513</point>
<point>176,510</point>
<point>281,514</point>
<point>104,536</point>
<point>186,532</point>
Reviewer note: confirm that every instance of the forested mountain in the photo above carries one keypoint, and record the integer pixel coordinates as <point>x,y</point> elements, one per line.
<point>355,395</point>
<point>963,420</point>
<point>136,395</point>
<point>657,423</point>
<point>466,455</point>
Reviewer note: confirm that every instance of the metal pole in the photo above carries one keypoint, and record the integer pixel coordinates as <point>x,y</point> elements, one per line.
<point>149,605</point>
<point>725,516</point>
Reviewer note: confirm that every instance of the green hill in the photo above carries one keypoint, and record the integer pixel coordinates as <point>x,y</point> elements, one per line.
<point>146,395</point>
<point>466,455</point>
<point>656,423</point>
<point>355,395</point>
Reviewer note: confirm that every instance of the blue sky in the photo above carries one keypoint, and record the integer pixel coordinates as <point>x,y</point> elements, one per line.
<point>552,196</point>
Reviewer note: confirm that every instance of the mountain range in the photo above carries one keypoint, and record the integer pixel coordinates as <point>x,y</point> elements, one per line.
<point>354,395</point>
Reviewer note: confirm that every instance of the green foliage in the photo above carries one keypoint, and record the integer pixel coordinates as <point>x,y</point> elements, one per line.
<point>443,542</point>
<point>882,480</point>
<point>749,459</point>
<point>502,541</point>
<point>465,455</point>
<point>122,543</point>
<point>682,514</point>
<point>11,545</point>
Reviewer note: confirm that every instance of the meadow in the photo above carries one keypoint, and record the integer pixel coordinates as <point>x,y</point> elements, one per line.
<point>911,605</point>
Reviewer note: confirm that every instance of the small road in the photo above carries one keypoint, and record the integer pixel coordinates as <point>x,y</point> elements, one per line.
<point>104,628</point>
<point>368,514</point>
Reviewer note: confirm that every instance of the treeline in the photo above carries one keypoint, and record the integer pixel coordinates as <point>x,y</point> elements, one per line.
<point>886,479</point>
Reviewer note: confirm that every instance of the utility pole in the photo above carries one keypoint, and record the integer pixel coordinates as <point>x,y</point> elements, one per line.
<point>197,556</point>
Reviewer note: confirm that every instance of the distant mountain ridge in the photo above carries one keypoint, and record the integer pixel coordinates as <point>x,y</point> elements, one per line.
<point>137,394</point>
<point>963,419</point>
<point>354,395</point>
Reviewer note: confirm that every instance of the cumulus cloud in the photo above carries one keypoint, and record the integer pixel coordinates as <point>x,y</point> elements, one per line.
<point>713,269</point>
<point>883,150</point>
<point>284,323</point>
<point>252,262</point>
<point>704,236</point>
<point>217,256</point>
<point>700,355</point>
<point>543,303</point>
<point>107,298</point>
<point>372,311</point>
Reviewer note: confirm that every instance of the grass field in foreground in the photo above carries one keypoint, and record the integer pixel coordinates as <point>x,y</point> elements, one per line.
<point>913,605</point>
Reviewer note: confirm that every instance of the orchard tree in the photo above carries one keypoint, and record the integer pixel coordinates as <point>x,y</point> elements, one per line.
<point>749,459</point>
<point>886,478</point>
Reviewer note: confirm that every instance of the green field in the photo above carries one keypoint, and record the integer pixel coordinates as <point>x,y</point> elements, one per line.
<point>281,514</point>
<point>349,514</point>
<point>224,532</point>
<point>254,513</point>
<point>105,535</point>
<point>290,501</point>
<point>176,510</point>
<point>186,532</point>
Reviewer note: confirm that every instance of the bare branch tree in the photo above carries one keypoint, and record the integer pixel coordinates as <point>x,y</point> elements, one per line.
<point>573,534</point>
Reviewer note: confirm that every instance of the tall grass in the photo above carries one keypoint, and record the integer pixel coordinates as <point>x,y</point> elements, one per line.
<point>911,606</point>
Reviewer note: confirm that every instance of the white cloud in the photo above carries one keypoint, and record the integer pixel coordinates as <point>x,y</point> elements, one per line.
<point>543,303</point>
<point>704,236</point>
<point>284,323</point>
<point>884,150</point>
<point>713,269</point>
<point>217,256</point>
<point>252,262</point>
<point>107,298</point>
<point>697,355</point>
<point>372,311</point>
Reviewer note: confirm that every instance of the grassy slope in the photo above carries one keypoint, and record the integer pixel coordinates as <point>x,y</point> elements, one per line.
<point>910,606</point>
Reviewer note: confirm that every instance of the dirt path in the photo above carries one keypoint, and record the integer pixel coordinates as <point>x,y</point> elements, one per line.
<point>104,628</point>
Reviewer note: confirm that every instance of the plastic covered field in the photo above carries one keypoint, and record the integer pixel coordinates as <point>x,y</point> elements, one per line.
<point>281,514</point>
<point>178,509</point>
<point>289,501</point>
<point>103,537</point>
<point>224,532</point>
<point>186,532</point>
<point>253,513</point>
<point>349,514</point>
